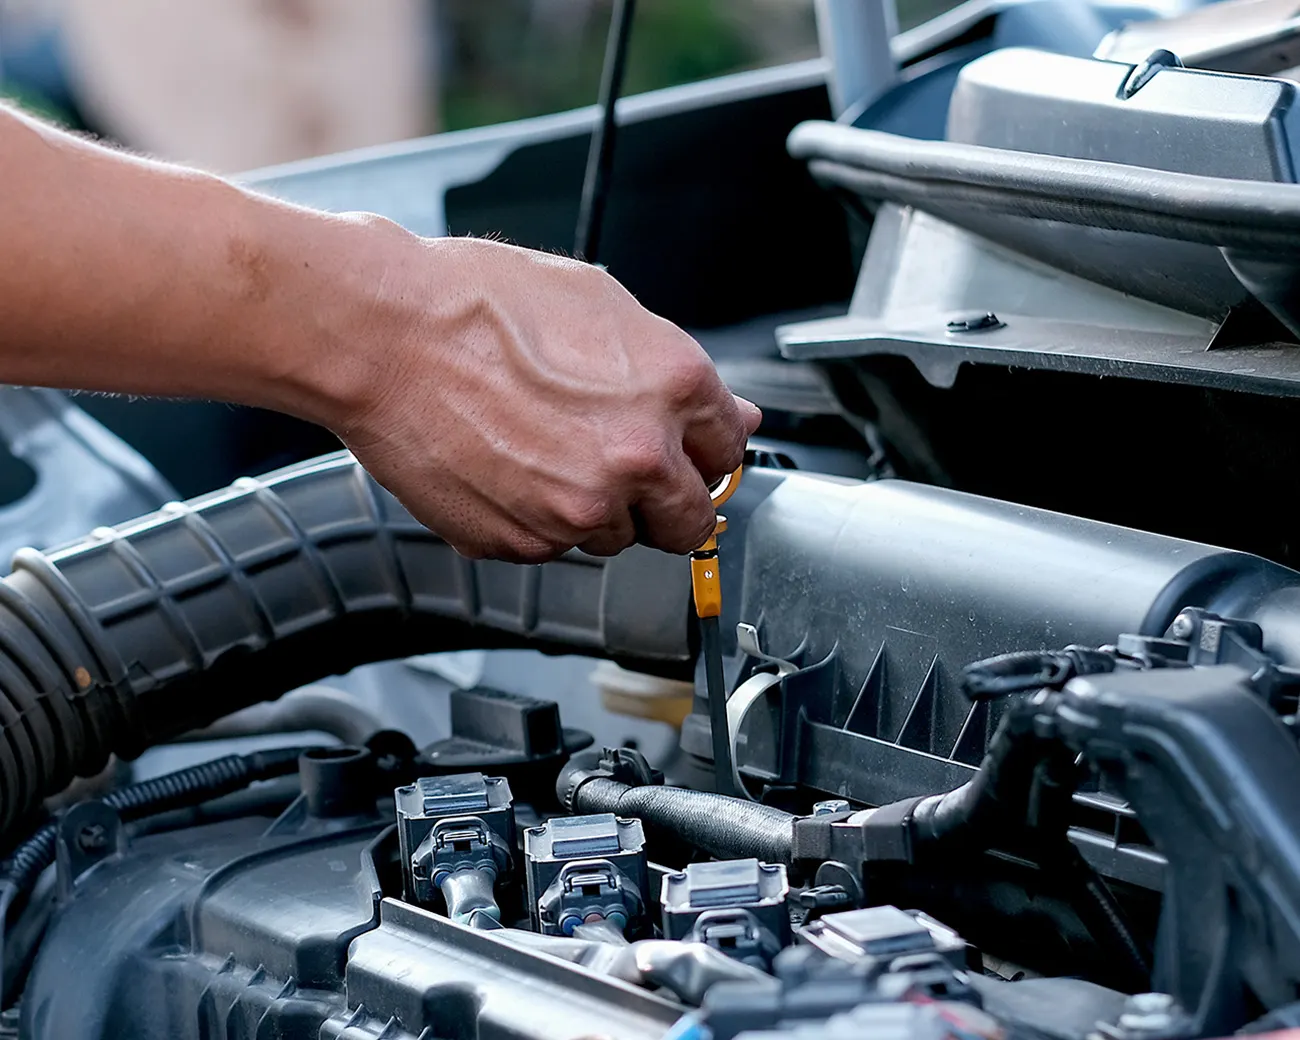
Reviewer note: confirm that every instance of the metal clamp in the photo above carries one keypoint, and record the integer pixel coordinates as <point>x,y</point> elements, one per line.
<point>749,693</point>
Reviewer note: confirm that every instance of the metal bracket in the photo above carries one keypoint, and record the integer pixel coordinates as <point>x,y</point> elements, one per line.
<point>88,833</point>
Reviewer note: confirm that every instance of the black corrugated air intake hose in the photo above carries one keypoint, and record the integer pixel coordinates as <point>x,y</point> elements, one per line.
<point>145,631</point>
<point>722,826</point>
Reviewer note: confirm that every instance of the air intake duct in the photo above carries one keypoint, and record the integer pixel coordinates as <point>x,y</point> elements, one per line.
<point>139,633</point>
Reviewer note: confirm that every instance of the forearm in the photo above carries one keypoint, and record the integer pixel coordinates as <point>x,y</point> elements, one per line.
<point>518,403</point>
<point>126,275</point>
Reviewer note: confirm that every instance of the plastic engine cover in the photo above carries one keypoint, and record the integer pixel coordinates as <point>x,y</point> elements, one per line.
<point>231,931</point>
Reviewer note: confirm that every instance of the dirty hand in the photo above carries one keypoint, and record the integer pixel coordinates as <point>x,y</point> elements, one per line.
<point>528,404</point>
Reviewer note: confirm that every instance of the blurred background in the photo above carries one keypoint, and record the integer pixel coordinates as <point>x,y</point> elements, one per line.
<point>233,85</point>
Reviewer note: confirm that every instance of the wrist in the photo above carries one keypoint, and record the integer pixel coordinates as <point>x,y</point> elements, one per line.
<point>328,337</point>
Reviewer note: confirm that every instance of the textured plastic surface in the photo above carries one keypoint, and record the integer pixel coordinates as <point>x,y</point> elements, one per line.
<point>880,593</point>
<point>1028,100</point>
<point>1182,120</point>
<point>743,884</point>
<point>156,627</point>
<point>910,583</point>
<point>85,476</point>
<point>226,931</point>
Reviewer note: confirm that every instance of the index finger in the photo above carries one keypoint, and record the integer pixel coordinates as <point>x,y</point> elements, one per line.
<point>716,433</point>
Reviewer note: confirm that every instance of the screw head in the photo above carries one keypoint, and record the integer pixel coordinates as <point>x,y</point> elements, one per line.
<point>985,322</point>
<point>93,837</point>
<point>1154,1015</point>
<point>1147,1003</point>
<point>829,806</point>
<point>1182,628</point>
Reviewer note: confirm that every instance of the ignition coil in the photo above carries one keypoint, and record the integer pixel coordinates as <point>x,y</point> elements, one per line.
<point>882,934</point>
<point>587,870</point>
<point>456,835</point>
<point>736,906</point>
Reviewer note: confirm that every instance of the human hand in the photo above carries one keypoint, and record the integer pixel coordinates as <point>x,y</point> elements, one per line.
<point>524,404</point>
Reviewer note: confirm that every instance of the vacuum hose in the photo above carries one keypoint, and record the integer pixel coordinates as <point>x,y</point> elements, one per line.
<point>140,633</point>
<point>720,825</point>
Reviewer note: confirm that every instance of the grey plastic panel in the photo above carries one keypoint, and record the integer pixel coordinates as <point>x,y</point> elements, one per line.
<point>407,182</point>
<point>1184,120</point>
<point>1070,296</point>
<point>930,580</point>
<point>881,593</point>
<point>85,476</point>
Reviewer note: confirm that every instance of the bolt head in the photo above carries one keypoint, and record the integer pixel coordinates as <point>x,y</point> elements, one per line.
<point>1182,628</point>
<point>93,837</point>
<point>985,322</point>
<point>829,806</point>
<point>1146,1003</point>
<point>1152,1015</point>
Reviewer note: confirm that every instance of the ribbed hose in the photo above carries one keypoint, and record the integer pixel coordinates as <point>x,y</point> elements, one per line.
<point>725,827</point>
<point>143,632</point>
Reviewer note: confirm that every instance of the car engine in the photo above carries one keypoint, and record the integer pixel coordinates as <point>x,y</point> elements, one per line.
<point>1009,640</point>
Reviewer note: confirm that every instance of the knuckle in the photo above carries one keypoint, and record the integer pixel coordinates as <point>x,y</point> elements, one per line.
<point>375,223</point>
<point>691,378</point>
<point>586,512</point>
<point>642,459</point>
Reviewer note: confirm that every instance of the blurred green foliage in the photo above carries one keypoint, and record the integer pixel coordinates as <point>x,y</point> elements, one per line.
<point>500,60</point>
<point>38,105</point>
<point>516,58</point>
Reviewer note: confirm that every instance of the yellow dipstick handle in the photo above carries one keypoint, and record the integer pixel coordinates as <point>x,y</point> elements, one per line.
<point>726,487</point>
<point>706,585</point>
<point>706,582</point>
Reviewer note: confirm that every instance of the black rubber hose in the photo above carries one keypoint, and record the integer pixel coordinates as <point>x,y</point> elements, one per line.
<point>182,789</point>
<point>146,631</point>
<point>179,790</point>
<point>999,800</point>
<point>728,828</point>
<point>1254,216</point>
<point>1027,670</point>
<point>1024,788</point>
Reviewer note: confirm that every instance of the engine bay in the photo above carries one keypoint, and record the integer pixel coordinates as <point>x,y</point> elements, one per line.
<point>993,733</point>
<point>1124,800</point>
